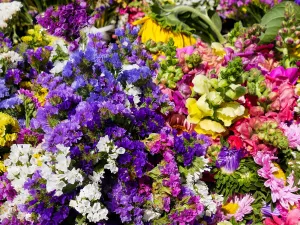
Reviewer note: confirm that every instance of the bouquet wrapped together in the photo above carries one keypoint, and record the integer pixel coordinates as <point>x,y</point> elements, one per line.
<point>140,112</point>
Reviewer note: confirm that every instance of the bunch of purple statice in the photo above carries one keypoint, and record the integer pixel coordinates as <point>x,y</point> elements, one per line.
<point>96,113</point>
<point>66,21</point>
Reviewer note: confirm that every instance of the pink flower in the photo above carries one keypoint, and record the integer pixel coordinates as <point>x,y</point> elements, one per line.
<point>293,133</point>
<point>293,217</point>
<point>244,207</point>
<point>290,74</point>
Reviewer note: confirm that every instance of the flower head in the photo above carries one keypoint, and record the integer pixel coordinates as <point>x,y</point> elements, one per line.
<point>238,207</point>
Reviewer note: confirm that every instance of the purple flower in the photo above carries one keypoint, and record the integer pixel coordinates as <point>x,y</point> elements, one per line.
<point>291,74</point>
<point>229,160</point>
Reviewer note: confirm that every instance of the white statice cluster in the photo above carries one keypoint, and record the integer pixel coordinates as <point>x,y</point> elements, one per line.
<point>7,11</point>
<point>9,209</point>
<point>56,169</point>
<point>88,203</point>
<point>210,201</point>
<point>193,182</point>
<point>193,178</point>
<point>106,145</point>
<point>21,164</point>
<point>133,91</point>
<point>59,47</point>
<point>9,59</point>
<point>202,5</point>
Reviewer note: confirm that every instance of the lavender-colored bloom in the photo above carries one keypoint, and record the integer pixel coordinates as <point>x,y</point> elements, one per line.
<point>266,210</point>
<point>229,160</point>
<point>11,102</point>
<point>13,76</point>
<point>66,21</point>
<point>4,91</point>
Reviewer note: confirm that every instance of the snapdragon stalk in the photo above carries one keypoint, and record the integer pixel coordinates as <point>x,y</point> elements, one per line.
<point>203,16</point>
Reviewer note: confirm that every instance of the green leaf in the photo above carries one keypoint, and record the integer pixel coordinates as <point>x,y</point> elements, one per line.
<point>217,21</point>
<point>272,20</point>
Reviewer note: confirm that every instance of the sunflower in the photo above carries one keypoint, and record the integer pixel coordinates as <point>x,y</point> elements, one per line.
<point>151,30</point>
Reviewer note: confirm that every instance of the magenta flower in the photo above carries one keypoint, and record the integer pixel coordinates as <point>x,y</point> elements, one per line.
<point>291,74</point>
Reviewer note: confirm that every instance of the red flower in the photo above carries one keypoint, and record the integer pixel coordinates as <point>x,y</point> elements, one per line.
<point>235,142</point>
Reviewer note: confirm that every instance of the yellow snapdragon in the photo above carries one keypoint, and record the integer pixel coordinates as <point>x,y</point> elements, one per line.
<point>9,129</point>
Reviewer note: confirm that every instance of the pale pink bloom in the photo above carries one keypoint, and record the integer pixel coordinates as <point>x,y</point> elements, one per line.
<point>244,208</point>
<point>293,134</point>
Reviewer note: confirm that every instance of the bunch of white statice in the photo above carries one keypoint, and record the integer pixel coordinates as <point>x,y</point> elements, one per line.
<point>193,182</point>
<point>202,5</point>
<point>59,55</point>
<point>106,146</point>
<point>87,203</point>
<point>21,164</point>
<point>56,169</point>
<point>7,11</point>
<point>9,60</point>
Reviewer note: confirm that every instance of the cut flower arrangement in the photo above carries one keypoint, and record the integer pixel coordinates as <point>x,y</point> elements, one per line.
<point>188,113</point>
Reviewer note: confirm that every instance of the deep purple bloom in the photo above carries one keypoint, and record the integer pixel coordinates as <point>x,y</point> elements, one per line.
<point>229,160</point>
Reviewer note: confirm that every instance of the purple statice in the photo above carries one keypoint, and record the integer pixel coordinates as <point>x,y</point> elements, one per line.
<point>13,76</point>
<point>66,21</point>
<point>171,173</point>
<point>65,133</point>
<point>229,159</point>
<point>189,213</point>
<point>15,221</point>
<point>4,91</point>
<point>39,58</point>
<point>126,201</point>
<point>5,43</point>
<point>30,95</point>
<point>190,146</point>
<point>63,98</point>
<point>135,158</point>
<point>27,136</point>
<point>146,121</point>
<point>297,2</point>
<point>50,209</point>
<point>10,103</point>
<point>7,192</point>
<point>49,81</point>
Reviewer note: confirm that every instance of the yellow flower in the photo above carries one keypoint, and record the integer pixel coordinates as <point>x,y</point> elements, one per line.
<point>195,114</point>
<point>230,208</point>
<point>224,223</point>
<point>2,167</point>
<point>201,84</point>
<point>204,106</point>
<point>151,30</point>
<point>279,174</point>
<point>298,89</point>
<point>37,157</point>
<point>210,127</point>
<point>26,84</point>
<point>218,49</point>
<point>9,129</point>
<point>230,111</point>
<point>41,95</point>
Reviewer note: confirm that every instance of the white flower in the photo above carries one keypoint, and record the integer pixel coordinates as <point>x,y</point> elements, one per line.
<point>7,10</point>
<point>150,215</point>
<point>58,66</point>
<point>87,203</point>
<point>96,177</point>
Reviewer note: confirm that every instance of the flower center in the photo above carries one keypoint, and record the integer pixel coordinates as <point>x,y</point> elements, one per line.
<point>230,208</point>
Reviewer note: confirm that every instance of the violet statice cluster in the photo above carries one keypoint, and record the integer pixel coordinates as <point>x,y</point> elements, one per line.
<point>86,159</point>
<point>66,21</point>
<point>177,190</point>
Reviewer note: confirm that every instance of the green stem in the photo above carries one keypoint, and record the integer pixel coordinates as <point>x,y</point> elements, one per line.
<point>204,17</point>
